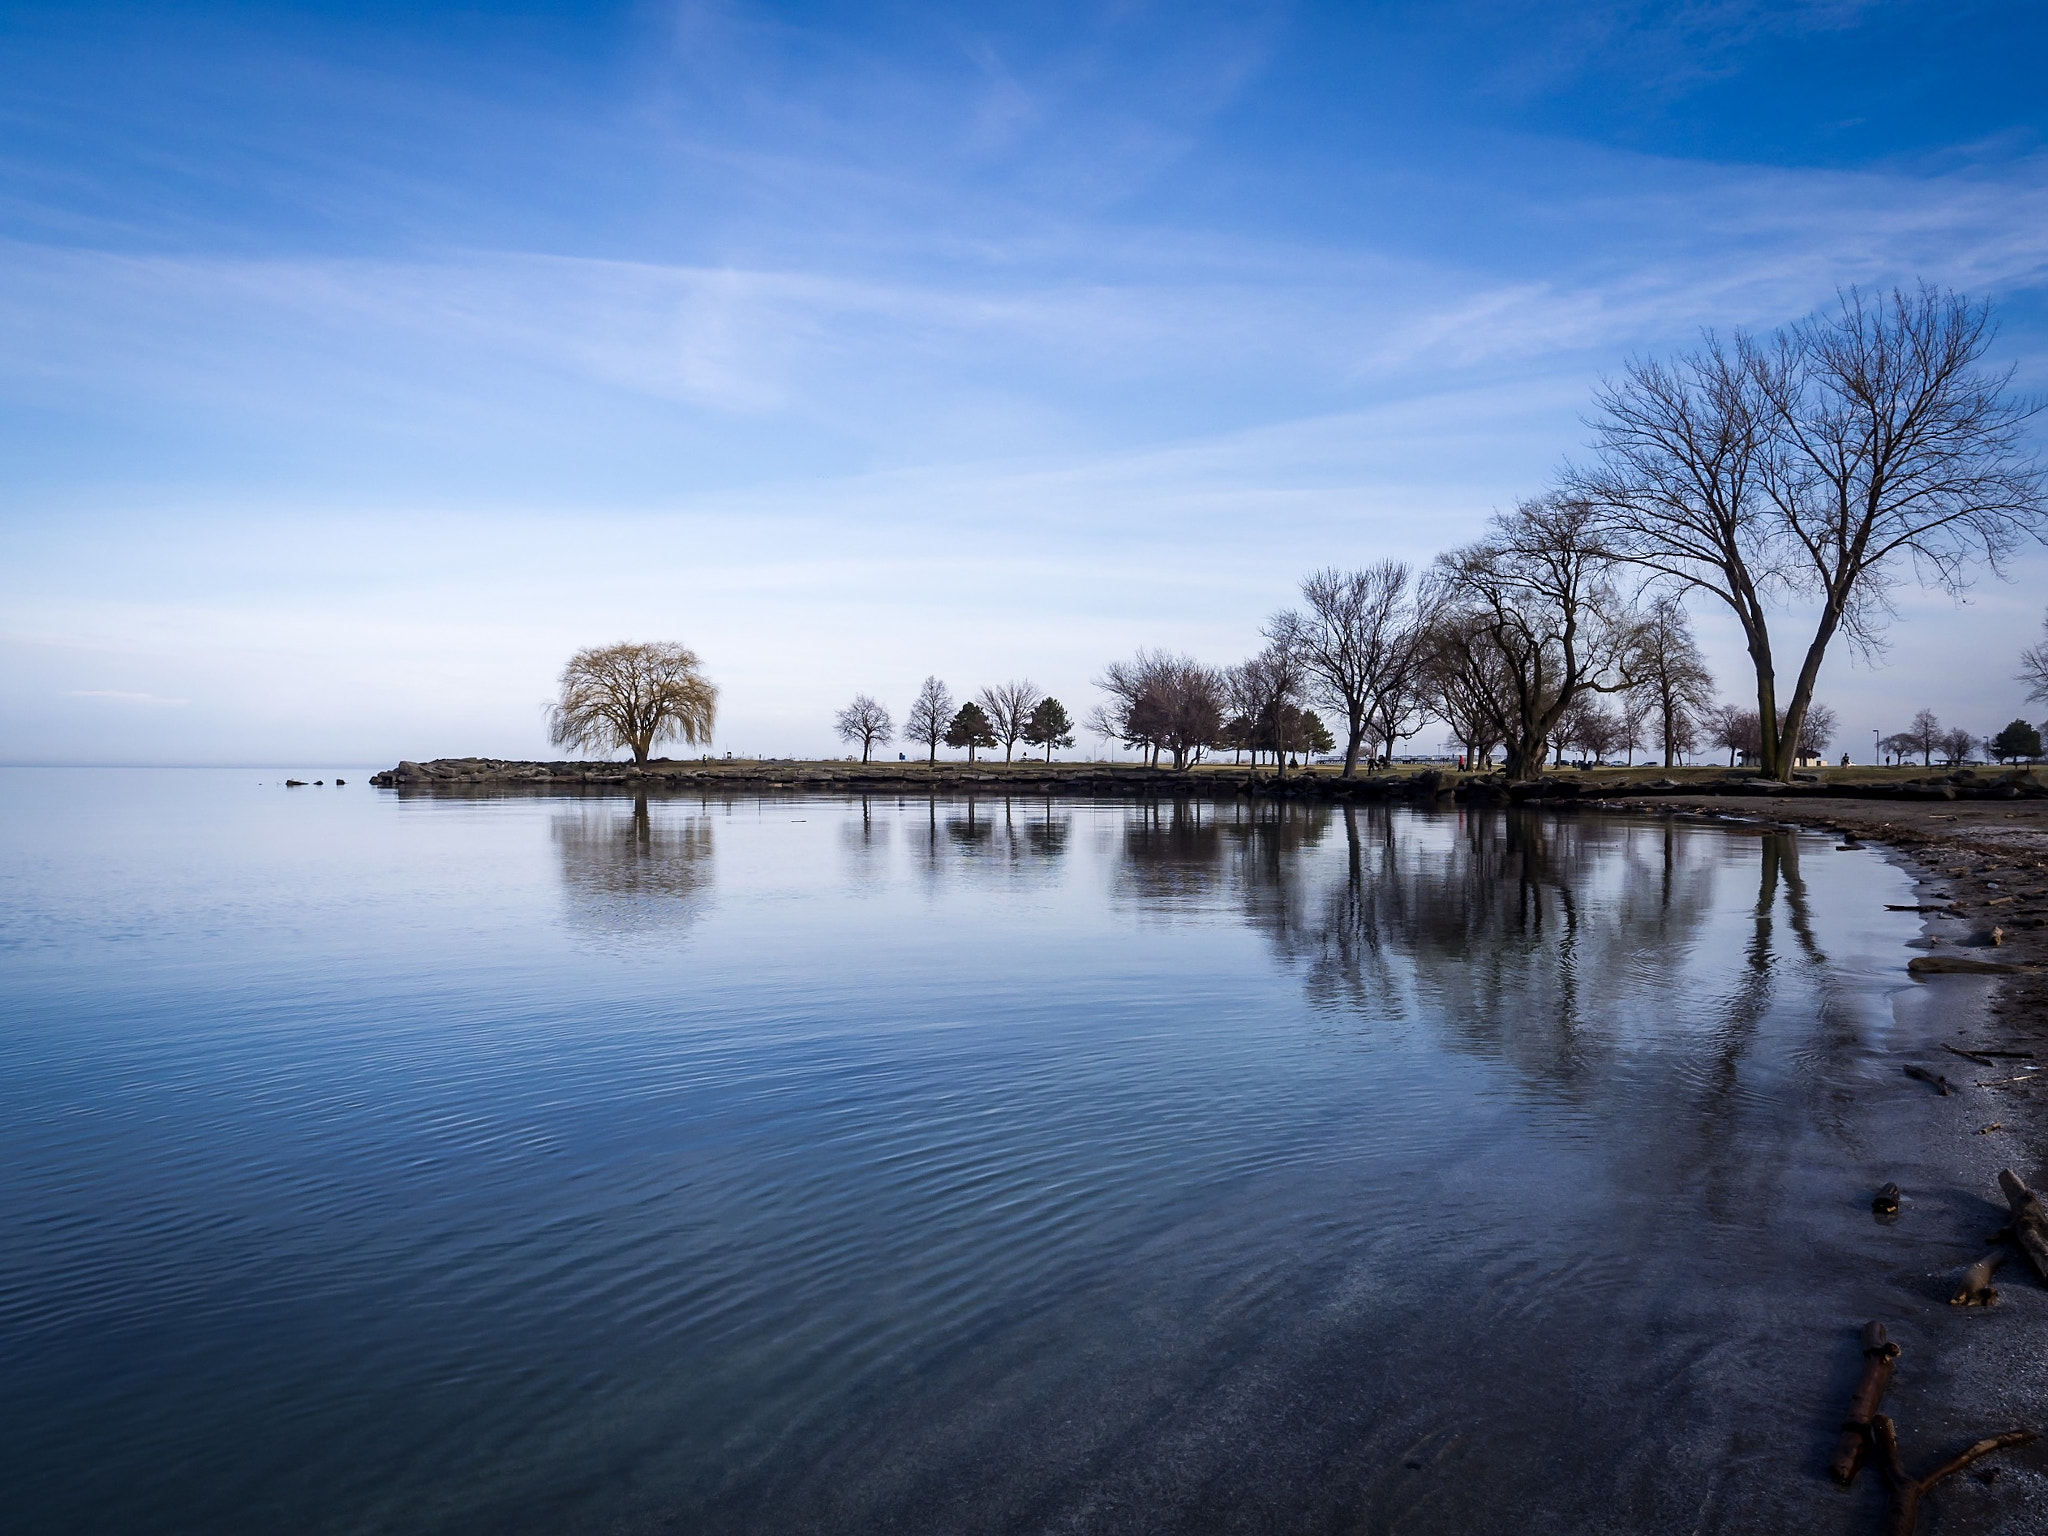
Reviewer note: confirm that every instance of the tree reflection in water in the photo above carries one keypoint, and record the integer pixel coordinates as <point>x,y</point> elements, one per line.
<point>1007,836</point>
<point>1550,942</point>
<point>864,837</point>
<point>632,876</point>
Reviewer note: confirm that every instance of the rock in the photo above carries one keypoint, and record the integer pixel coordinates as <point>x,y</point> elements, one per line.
<point>1957,965</point>
<point>294,783</point>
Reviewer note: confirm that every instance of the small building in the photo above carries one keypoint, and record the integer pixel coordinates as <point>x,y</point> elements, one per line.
<point>1803,760</point>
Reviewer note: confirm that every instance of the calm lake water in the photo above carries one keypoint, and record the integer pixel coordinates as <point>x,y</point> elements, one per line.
<point>508,1165</point>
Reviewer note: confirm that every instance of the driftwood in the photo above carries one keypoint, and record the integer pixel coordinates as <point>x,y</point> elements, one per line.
<point>1941,1084</point>
<point>2029,1220</point>
<point>2007,1082</point>
<point>1890,908</point>
<point>1908,1491</point>
<point>1878,1355</point>
<point>1957,965</point>
<point>1974,1290</point>
<point>1979,1057</point>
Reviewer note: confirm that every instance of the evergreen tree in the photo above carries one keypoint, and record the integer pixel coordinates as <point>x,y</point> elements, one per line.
<point>2017,740</point>
<point>1315,735</point>
<point>971,728</point>
<point>1049,726</point>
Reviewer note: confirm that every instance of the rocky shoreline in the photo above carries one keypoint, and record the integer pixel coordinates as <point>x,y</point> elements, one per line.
<point>1119,779</point>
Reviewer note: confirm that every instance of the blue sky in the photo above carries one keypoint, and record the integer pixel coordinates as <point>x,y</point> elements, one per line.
<point>358,363</point>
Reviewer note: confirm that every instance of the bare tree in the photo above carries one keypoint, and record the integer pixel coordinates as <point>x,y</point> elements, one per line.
<point>1106,721</point>
<point>1736,729</point>
<point>1675,681</point>
<point>1816,730</point>
<point>1634,710</point>
<point>2034,666</point>
<point>1536,593</point>
<point>864,721</point>
<point>1890,443</point>
<point>633,696</point>
<point>1682,447</point>
<point>1008,707</point>
<point>930,715</point>
<point>1356,642</point>
<point>1164,702</point>
<point>1264,691</point>
<point>1816,463</point>
<point>1465,679</point>
<point>1923,736</point>
<point>1956,746</point>
<point>1591,727</point>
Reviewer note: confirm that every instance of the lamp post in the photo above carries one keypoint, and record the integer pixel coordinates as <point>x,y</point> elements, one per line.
<point>1876,747</point>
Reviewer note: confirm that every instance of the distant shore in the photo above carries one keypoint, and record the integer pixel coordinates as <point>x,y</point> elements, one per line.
<point>1413,782</point>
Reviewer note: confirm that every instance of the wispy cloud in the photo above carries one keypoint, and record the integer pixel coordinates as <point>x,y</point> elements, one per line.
<point>117,696</point>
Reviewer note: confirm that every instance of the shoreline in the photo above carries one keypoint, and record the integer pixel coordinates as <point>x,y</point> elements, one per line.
<point>1318,782</point>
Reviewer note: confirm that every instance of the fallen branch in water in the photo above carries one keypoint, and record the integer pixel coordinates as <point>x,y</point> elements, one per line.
<point>1907,1491</point>
<point>2007,1082</point>
<point>1878,1355</point>
<point>1979,1057</point>
<point>1975,1290</point>
<point>2029,1220</point>
<point>1940,1083</point>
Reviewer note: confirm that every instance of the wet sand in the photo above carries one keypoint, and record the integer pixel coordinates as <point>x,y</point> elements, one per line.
<point>1965,1372</point>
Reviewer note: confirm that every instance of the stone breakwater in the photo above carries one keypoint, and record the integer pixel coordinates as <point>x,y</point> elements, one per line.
<point>487,774</point>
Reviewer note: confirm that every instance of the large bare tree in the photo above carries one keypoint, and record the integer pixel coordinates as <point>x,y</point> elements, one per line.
<point>1893,445</point>
<point>930,715</point>
<point>1535,593</point>
<point>866,721</point>
<point>632,695</point>
<point>1008,707</point>
<point>1817,463</point>
<point>1355,636</point>
<point>2034,667</point>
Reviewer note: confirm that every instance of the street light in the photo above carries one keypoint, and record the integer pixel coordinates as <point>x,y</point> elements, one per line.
<point>1876,748</point>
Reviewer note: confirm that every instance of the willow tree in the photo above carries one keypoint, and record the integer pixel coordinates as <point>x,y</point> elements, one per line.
<point>633,696</point>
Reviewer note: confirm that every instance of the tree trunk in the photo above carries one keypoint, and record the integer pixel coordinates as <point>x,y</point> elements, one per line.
<point>2029,1220</point>
<point>1802,690</point>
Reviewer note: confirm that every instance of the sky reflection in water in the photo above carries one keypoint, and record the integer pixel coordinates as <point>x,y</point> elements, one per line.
<point>544,1164</point>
